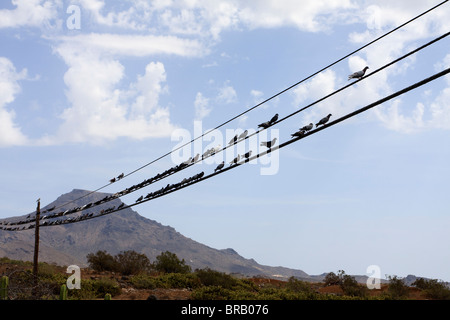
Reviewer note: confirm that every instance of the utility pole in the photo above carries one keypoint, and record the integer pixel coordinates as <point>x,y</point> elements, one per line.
<point>36,239</point>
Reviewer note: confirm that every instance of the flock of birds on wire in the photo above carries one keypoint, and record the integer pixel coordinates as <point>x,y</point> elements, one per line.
<point>13,226</point>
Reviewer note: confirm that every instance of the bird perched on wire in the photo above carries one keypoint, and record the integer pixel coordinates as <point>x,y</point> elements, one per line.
<point>247,155</point>
<point>243,135</point>
<point>120,176</point>
<point>140,198</point>
<point>112,180</point>
<point>299,133</point>
<point>267,124</point>
<point>358,74</point>
<point>307,128</point>
<point>235,160</point>
<point>323,120</point>
<point>220,166</point>
<point>274,119</point>
<point>233,140</point>
<point>268,144</point>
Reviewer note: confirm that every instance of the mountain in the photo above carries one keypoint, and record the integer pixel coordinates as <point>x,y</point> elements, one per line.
<point>120,231</point>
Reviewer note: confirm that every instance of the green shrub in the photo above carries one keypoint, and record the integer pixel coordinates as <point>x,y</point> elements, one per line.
<point>168,262</point>
<point>131,262</point>
<point>101,261</point>
<point>296,285</point>
<point>433,288</point>
<point>212,293</point>
<point>143,281</point>
<point>210,277</point>
<point>397,288</point>
<point>347,283</point>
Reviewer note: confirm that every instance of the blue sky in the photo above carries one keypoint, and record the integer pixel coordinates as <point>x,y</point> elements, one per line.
<point>91,89</point>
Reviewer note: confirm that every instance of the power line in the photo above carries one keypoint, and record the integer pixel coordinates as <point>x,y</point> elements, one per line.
<point>268,99</point>
<point>184,165</point>
<point>201,177</point>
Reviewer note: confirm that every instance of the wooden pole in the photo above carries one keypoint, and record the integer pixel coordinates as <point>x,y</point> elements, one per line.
<point>36,238</point>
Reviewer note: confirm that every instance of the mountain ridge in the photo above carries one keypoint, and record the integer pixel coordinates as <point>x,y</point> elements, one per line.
<point>67,244</point>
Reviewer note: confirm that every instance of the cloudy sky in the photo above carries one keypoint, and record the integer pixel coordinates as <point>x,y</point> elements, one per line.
<point>94,88</point>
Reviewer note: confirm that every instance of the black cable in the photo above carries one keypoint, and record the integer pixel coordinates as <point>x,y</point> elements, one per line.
<point>343,118</point>
<point>268,99</point>
<point>125,192</point>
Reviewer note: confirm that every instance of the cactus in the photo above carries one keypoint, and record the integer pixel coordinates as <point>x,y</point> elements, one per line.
<point>107,296</point>
<point>63,292</point>
<point>4,288</point>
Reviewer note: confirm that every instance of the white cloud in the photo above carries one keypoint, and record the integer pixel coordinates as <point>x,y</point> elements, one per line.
<point>305,15</point>
<point>101,108</point>
<point>10,133</point>
<point>132,45</point>
<point>201,106</point>
<point>227,94</point>
<point>36,13</point>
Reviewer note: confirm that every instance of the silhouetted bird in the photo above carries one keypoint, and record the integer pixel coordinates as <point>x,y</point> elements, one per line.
<point>220,166</point>
<point>299,133</point>
<point>264,125</point>
<point>307,128</point>
<point>140,198</point>
<point>247,155</point>
<point>235,160</point>
<point>323,120</point>
<point>274,119</point>
<point>112,180</point>
<point>120,176</point>
<point>358,74</point>
<point>268,144</point>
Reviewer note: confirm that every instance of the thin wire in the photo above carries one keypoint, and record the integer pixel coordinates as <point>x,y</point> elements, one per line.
<point>268,99</point>
<point>124,192</point>
<point>277,147</point>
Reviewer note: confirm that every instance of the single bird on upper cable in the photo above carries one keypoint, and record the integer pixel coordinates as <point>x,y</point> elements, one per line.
<point>323,120</point>
<point>358,74</point>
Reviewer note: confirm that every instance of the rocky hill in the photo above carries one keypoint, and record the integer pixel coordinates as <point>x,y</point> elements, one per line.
<point>68,244</point>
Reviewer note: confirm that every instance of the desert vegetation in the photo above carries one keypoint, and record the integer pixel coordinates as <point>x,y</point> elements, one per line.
<point>132,276</point>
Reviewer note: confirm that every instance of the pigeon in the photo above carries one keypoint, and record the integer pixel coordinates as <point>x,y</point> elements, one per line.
<point>243,135</point>
<point>120,176</point>
<point>140,198</point>
<point>235,160</point>
<point>196,158</point>
<point>112,180</point>
<point>247,155</point>
<point>268,144</point>
<point>307,128</point>
<point>233,140</point>
<point>299,133</point>
<point>264,125</point>
<point>220,166</point>
<point>274,119</point>
<point>324,120</point>
<point>358,74</point>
